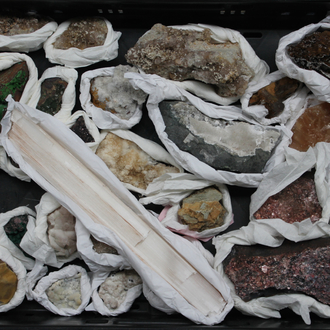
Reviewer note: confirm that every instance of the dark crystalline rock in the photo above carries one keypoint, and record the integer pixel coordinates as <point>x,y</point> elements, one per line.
<point>225,145</point>
<point>273,95</point>
<point>79,127</point>
<point>12,81</point>
<point>179,54</point>
<point>312,52</point>
<point>15,228</point>
<point>100,247</point>
<point>295,203</point>
<point>51,93</point>
<point>260,271</point>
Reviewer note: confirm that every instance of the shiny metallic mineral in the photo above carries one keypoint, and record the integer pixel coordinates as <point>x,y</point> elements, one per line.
<point>225,145</point>
<point>179,54</point>
<point>259,271</point>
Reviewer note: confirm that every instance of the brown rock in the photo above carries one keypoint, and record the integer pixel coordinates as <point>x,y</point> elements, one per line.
<point>79,127</point>
<point>178,54</point>
<point>203,210</point>
<point>8,283</point>
<point>100,247</point>
<point>273,95</point>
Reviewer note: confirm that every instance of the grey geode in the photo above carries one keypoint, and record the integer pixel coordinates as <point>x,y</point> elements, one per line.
<point>225,145</point>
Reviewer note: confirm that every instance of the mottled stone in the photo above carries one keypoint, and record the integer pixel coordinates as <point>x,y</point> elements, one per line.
<point>115,93</point>
<point>295,203</point>
<point>130,163</point>
<point>311,127</point>
<point>15,228</point>
<point>8,283</point>
<point>12,81</point>
<point>51,92</point>
<point>312,52</point>
<point>100,247</point>
<point>258,271</point>
<point>179,54</point>
<point>225,145</point>
<point>203,210</point>
<point>273,95</point>
<point>82,34</point>
<point>79,127</point>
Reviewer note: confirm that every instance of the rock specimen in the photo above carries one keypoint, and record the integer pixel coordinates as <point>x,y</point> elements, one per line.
<point>273,95</point>
<point>203,210</point>
<point>100,247</point>
<point>79,127</point>
<point>312,52</point>
<point>179,54</point>
<point>61,232</point>
<point>65,293</point>
<point>116,94</point>
<point>82,34</point>
<point>13,25</point>
<point>302,267</point>
<point>12,81</point>
<point>51,93</point>
<point>225,145</point>
<point>15,228</point>
<point>295,203</point>
<point>114,289</point>
<point>130,163</point>
<point>311,127</point>
<point>8,283</point>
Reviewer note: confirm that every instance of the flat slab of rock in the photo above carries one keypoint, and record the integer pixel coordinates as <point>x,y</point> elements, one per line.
<point>225,145</point>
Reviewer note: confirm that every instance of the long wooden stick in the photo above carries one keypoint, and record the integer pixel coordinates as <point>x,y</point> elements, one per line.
<point>68,175</point>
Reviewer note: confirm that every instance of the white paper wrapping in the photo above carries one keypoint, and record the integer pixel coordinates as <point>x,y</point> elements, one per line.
<point>170,189</point>
<point>39,292</point>
<point>97,262</point>
<point>27,42</point>
<point>160,89</point>
<point>104,119</point>
<point>98,305</point>
<point>316,82</point>
<point>75,57</point>
<point>20,271</point>
<point>266,233</point>
<point>259,112</point>
<point>27,262</point>
<point>156,283</point>
<point>69,95</point>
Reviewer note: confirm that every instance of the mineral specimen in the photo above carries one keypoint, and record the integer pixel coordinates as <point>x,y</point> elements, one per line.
<point>65,293</point>
<point>79,127</point>
<point>179,54</point>
<point>116,94</point>
<point>311,127</point>
<point>114,289</point>
<point>8,283</point>
<point>12,81</point>
<point>203,210</point>
<point>273,95</point>
<point>82,34</point>
<point>51,93</point>
<point>291,268</point>
<point>296,202</point>
<point>312,52</point>
<point>100,247</point>
<point>129,162</point>
<point>61,232</point>
<point>225,145</point>
<point>15,228</point>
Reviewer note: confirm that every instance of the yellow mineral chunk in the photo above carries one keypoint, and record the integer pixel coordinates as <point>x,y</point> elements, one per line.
<point>8,283</point>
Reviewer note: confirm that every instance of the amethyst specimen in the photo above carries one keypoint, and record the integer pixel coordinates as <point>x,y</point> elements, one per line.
<point>303,267</point>
<point>79,127</point>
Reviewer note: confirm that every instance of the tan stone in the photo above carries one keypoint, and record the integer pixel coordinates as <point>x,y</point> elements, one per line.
<point>8,283</point>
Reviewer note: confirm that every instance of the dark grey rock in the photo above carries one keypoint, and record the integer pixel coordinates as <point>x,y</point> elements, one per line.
<point>234,146</point>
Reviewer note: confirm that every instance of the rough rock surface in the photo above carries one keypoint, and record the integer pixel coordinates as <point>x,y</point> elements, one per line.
<point>203,210</point>
<point>302,267</point>
<point>100,247</point>
<point>8,283</point>
<point>15,228</point>
<point>311,127</point>
<point>273,95</point>
<point>129,162</point>
<point>79,127</point>
<point>82,34</point>
<point>179,54</point>
<point>51,93</point>
<point>225,145</point>
<point>312,52</point>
